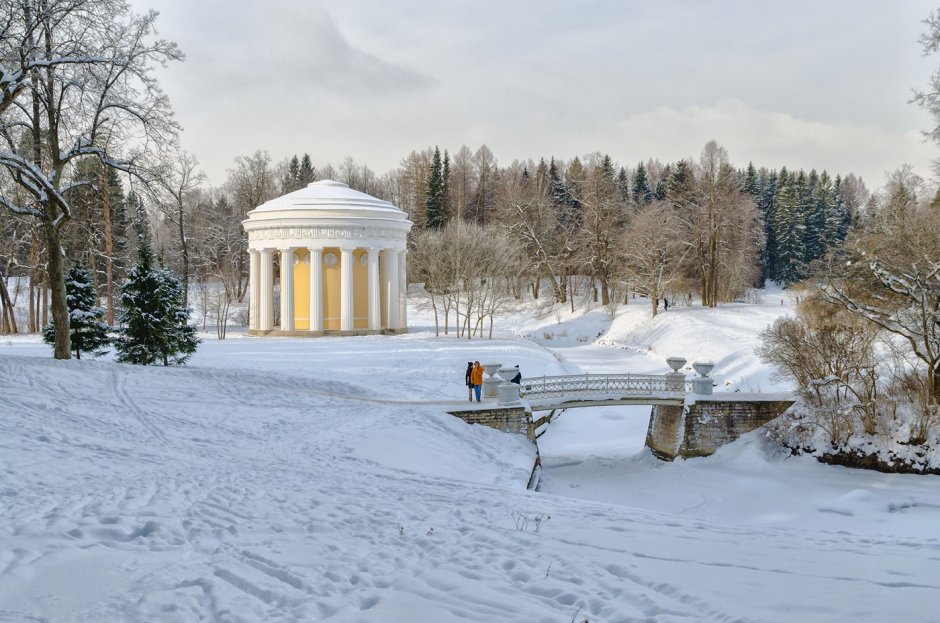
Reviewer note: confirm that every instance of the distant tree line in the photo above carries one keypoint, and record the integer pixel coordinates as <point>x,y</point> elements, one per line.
<point>585,225</point>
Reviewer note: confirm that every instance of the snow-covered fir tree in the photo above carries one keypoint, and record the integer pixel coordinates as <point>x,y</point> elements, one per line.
<point>789,226</point>
<point>156,328</point>
<point>88,333</point>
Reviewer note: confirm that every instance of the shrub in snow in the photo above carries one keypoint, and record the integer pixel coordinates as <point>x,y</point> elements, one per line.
<point>88,334</point>
<point>848,414</point>
<point>155,321</point>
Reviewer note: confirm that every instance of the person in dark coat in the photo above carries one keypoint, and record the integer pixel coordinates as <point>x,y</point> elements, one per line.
<point>468,381</point>
<point>518,378</point>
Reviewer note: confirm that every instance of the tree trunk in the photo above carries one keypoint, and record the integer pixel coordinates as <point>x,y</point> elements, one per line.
<point>108,247</point>
<point>8,324</point>
<point>56,274</point>
<point>184,254</point>
<point>31,302</point>
<point>31,276</point>
<point>933,382</point>
<point>571,292</point>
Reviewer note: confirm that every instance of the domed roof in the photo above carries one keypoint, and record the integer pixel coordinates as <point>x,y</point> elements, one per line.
<point>327,195</point>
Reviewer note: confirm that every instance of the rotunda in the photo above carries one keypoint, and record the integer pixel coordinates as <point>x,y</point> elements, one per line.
<point>341,263</point>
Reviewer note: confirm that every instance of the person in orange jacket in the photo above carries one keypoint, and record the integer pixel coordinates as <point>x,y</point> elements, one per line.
<point>476,378</point>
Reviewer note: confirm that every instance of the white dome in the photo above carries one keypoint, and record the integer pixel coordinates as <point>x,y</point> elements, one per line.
<point>327,214</point>
<point>327,195</point>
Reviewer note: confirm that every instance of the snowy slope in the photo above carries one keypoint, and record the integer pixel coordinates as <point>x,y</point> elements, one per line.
<point>321,480</point>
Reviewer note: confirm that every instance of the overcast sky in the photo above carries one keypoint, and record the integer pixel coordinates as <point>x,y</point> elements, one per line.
<point>799,84</point>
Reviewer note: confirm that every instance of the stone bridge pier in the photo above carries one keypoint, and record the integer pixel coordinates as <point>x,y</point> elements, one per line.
<point>705,423</point>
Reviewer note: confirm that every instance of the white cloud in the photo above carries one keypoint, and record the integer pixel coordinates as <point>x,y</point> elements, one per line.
<point>775,139</point>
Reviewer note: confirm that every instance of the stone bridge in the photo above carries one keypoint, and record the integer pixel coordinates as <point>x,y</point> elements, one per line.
<point>687,419</point>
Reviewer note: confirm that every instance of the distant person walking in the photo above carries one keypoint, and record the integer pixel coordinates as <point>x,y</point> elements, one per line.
<point>666,304</point>
<point>518,378</point>
<point>476,378</point>
<point>469,382</point>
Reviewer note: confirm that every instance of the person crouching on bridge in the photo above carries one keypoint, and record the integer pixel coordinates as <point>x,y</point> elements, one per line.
<point>518,378</point>
<point>468,382</point>
<point>476,378</point>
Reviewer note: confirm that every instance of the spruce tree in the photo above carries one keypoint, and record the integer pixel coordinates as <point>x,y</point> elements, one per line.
<point>623,186</point>
<point>814,209</point>
<point>751,183</point>
<point>434,203</point>
<point>292,177</point>
<point>87,332</point>
<point>306,173</point>
<point>789,225</point>
<point>681,185</point>
<point>765,203</point>
<point>120,224</point>
<point>156,328</point>
<point>842,212</point>
<point>662,187</point>
<point>642,193</point>
<point>445,174</point>
<point>567,207</point>
<point>140,222</point>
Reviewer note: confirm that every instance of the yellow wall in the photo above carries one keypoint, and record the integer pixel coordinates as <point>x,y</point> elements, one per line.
<point>361,289</point>
<point>331,290</point>
<point>332,276</point>
<point>302,290</point>
<point>383,295</point>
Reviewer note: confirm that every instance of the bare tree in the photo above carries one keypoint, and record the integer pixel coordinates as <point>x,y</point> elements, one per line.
<point>722,226</point>
<point>891,277</point>
<point>175,193</point>
<point>465,268</point>
<point>604,215</point>
<point>77,80</point>
<point>654,254</point>
<point>829,353</point>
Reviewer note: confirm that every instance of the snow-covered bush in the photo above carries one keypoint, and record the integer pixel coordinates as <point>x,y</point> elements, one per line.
<point>858,406</point>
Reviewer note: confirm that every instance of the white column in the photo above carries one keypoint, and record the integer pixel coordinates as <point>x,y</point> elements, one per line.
<point>346,290</point>
<point>375,292</point>
<point>402,290</point>
<point>316,289</point>
<point>391,288</point>
<point>254,288</point>
<point>287,289</point>
<point>266,294</point>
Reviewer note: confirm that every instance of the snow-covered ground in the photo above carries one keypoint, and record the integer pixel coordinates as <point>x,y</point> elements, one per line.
<point>322,480</point>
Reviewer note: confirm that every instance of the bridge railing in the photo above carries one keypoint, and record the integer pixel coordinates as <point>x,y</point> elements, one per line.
<point>626,384</point>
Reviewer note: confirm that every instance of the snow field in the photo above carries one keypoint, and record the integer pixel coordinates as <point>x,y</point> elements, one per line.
<point>321,480</point>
